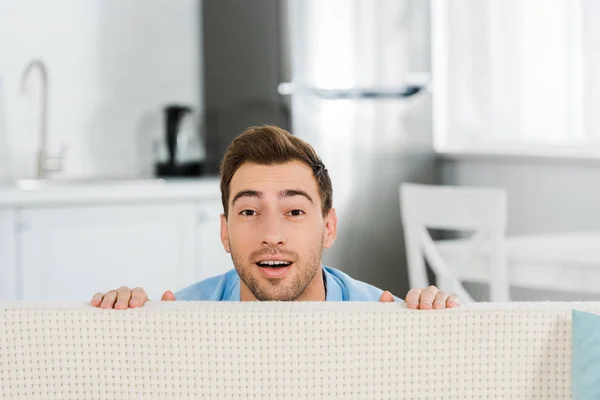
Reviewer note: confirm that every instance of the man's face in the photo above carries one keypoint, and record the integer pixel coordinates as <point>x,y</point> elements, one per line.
<point>275,230</point>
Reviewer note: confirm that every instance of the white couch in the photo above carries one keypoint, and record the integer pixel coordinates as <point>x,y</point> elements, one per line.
<point>286,350</point>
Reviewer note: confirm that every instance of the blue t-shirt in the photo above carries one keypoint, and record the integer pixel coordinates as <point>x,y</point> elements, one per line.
<point>226,287</point>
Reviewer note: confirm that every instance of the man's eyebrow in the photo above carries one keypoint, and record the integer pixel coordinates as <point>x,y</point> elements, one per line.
<point>292,193</point>
<point>247,193</point>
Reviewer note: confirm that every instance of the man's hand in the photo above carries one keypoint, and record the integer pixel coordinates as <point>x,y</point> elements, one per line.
<point>430,299</point>
<point>425,299</point>
<point>123,298</point>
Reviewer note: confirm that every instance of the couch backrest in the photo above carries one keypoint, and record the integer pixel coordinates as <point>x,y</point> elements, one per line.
<point>286,350</point>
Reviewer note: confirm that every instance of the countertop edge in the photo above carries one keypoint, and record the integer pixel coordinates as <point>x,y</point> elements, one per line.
<point>109,193</point>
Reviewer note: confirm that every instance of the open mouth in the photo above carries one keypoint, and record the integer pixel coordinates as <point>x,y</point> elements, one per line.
<point>274,264</point>
<point>274,269</point>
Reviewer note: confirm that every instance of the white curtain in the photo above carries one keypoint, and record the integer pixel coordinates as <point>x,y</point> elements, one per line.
<point>516,72</point>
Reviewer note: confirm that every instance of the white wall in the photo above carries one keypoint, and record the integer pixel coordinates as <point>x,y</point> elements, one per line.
<point>112,66</point>
<point>543,195</point>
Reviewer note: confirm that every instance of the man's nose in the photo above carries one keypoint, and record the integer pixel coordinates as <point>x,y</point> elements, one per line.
<point>273,234</point>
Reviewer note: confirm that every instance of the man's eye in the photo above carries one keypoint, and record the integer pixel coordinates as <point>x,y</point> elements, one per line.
<point>248,213</point>
<point>296,213</point>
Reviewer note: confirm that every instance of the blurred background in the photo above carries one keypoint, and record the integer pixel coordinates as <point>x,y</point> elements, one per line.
<point>114,116</point>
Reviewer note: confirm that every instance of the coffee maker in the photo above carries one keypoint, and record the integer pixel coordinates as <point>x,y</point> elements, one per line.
<point>181,152</point>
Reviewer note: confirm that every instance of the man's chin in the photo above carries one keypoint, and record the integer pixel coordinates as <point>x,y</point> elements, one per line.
<point>275,293</point>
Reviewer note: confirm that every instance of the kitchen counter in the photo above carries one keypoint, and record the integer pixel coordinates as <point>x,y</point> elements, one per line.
<point>32,193</point>
<point>68,239</point>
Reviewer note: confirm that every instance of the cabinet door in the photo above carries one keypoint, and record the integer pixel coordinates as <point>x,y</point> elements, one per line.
<point>211,258</point>
<point>8,259</point>
<point>71,253</point>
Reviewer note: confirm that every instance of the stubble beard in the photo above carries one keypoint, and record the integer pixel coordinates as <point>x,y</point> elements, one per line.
<point>277,289</point>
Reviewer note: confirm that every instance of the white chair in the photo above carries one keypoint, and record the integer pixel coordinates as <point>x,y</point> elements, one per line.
<point>481,210</point>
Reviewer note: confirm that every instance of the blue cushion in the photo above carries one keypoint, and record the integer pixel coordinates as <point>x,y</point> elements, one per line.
<point>585,364</point>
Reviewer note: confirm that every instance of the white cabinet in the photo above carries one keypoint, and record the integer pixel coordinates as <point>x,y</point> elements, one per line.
<point>71,253</point>
<point>8,257</point>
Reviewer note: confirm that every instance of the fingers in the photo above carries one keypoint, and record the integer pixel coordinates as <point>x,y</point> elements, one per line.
<point>109,299</point>
<point>386,297</point>
<point>138,297</point>
<point>123,297</point>
<point>412,298</point>
<point>430,299</point>
<point>453,301</point>
<point>169,296</point>
<point>97,299</point>
<point>427,298</point>
<point>440,300</point>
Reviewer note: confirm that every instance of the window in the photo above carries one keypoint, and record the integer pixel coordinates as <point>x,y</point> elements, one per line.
<point>516,76</point>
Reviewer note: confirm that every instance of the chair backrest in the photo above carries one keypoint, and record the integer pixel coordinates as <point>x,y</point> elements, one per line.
<point>480,210</point>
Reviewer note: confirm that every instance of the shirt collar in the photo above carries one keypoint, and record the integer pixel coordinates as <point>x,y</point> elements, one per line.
<point>234,295</point>
<point>334,290</point>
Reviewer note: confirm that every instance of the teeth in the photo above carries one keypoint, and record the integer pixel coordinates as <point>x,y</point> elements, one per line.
<point>274,263</point>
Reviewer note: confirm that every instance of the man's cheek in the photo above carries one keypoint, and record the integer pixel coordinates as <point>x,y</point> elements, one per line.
<point>306,241</point>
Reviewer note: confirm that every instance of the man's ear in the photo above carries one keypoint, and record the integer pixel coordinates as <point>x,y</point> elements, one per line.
<point>330,228</point>
<point>224,234</point>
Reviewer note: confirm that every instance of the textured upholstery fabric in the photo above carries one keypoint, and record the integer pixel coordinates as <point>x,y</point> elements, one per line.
<point>286,351</point>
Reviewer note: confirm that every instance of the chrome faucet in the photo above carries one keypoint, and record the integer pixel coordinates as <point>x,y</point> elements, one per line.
<point>45,163</point>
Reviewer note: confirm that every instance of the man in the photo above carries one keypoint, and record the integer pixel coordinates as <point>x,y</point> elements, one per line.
<point>278,218</point>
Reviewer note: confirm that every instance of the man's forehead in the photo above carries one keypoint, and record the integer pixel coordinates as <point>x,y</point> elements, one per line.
<point>293,174</point>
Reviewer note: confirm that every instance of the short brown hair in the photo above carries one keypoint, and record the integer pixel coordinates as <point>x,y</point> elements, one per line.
<point>271,145</point>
